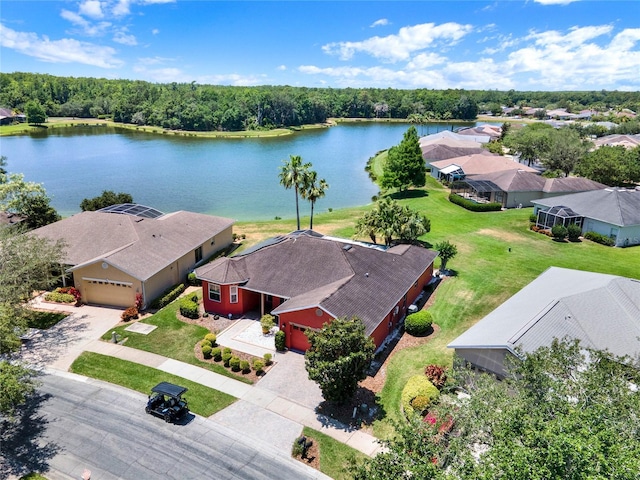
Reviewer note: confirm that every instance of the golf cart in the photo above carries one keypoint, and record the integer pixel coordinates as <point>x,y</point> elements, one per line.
<point>166,402</point>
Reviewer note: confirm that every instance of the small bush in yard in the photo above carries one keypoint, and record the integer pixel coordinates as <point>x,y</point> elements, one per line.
<point>216,353</point>
<point>129,314</point>
<point>258,366</point>
<point>211,337</point>
<point>245,366</point>
<point>420,404</point>
<point>59,297</point>
<point>533,218</point>
<point>267,358</point>
<point>234,363</point>
<point>189,308</point>
<point>436,375</point>
<point>206,342</point>
<point>226,350</point>
<point>418,323</point>
<point>280,340</point>
<point>559,232</point>
<point>206,350</point>
<point>599,238</point>
<point>574,231</point>
<point>226,357</point>
<point>418,386</point>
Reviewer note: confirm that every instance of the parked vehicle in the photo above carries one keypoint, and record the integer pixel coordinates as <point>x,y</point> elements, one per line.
<point>166,402</point>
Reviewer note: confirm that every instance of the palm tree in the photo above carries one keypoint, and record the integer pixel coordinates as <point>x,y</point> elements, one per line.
<point>313,190</point>
<point>293,175</point>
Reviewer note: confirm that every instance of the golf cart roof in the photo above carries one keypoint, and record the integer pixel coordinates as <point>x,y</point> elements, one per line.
<point>166,388</point>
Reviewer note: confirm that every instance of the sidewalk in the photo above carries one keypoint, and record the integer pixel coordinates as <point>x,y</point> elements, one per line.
<point>250,397</point>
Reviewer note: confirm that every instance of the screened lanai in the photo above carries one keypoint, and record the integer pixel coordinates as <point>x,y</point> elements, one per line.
<point>480,191</point>
<point>557,215</point>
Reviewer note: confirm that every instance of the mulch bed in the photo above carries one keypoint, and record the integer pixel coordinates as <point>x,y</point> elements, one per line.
<point>312,458</point>
<point>242,356</point>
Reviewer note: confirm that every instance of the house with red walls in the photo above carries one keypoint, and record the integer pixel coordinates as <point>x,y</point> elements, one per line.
<point>306,279</point>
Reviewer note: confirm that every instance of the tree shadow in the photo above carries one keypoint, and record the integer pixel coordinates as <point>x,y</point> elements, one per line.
<point>406,194</point>
<point>361,410</point>
<point>23,447</point>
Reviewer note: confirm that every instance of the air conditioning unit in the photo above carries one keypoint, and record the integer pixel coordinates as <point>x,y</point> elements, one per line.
<point>413,308</point>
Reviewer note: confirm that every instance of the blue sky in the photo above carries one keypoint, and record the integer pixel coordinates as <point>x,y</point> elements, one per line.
<point>522,45</point>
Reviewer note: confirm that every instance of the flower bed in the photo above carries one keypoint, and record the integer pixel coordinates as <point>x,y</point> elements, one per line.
<point>66,295</point>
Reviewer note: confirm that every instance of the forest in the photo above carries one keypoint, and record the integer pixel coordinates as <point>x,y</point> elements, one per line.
<point>195,107</point>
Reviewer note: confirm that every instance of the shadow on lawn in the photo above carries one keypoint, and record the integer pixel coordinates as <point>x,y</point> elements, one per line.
<point>23,448</point>
<point>361,410</point>
<point>405,194</point>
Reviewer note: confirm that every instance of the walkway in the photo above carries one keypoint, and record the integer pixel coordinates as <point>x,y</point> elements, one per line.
<point>273,411</point>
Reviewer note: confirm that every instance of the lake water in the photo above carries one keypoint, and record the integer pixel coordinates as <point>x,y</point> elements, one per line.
<point>236,178</point>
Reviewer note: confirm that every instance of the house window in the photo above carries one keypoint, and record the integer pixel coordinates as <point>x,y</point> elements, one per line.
<point>199,254</point>
<point>233,294</point>
<point>214,292</point>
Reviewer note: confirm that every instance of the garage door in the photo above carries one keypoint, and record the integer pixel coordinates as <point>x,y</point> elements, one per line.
<point>298,340</point>
<point>108,292</point>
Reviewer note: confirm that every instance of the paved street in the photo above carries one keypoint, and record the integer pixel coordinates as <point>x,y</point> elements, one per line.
<point>93,425</point>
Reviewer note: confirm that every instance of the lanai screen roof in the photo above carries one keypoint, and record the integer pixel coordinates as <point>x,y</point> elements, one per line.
<point>561,211</point>
<point>482,186</point>
<point>133,209</point>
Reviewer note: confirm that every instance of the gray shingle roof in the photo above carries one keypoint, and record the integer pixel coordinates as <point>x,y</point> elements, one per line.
<point>610,205</point>
<point>313,271</point>
<point>521,181</point>
<point>138,246</point>
<point>602,311</point>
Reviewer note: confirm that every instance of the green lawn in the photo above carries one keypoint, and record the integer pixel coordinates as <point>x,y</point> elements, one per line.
<point>202,400</point>
<point>173,338</point>
<point>335,456</point>
<point>43,320</point>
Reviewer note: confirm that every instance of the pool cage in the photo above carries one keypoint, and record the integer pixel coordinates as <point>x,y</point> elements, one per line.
<point>558,215</point>
<point>479,191</point>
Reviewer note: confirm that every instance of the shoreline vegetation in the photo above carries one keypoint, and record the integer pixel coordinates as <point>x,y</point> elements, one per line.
<point>65,122</point>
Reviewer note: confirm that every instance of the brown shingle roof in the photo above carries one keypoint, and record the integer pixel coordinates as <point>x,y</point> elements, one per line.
<point>341,277</point>
<point>138,246</point>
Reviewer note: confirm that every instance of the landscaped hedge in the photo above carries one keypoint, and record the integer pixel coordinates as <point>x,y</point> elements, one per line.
<point>168,296</point>
<point>599,238</point>
<point>418,323</point>
<point>59,297</point>
<point>189,307</point>
<point>280,339</point>
<point>418,386</point>
<point>473,206</point>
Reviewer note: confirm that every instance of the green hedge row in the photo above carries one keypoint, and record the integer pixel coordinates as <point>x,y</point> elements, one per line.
<point>599,238</point>
<point>473,206</point>
<point>168,296</point>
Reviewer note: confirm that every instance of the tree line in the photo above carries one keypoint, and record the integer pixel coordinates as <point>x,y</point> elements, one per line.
<point>191,106</point>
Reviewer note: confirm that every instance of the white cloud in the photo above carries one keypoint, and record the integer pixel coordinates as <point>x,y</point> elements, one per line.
<point>124,38</point>
<point>155,31</point>
<point>91,8</point>
<point>65,50</point>
<point>154,60</point>
<point>88,28</point>
<point>400,47</point>
<point>282,68</point>
<point>121,8</point>
<point>379,23</point>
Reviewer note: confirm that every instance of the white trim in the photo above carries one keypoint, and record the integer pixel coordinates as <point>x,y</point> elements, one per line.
<point>219,300</point>
<point>231,294</point>
<point>105,280</point>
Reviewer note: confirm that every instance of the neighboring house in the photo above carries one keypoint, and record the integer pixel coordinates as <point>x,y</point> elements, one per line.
<point>7,117</point>
<point>602,311</point>
<point>613,212</point>
<point>477,164</point>
<point>126,249</point>
<point>8,218</point>
<point>517,188</point>
<point>492,131</point>
<point>445,148</point>
<point>454,136</point>
<point>307,279</point>
<point>627,141</point>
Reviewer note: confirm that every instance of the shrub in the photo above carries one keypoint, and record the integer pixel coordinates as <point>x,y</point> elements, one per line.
<point>267,358</point>
<point>559,232</point>
<point>139,304</point>
<point>206,350</point>
<point>192,280</point>
<point>189,308</point>
<point>573,232</point>
<point>226,350</point>
<point>533,218</point>
<point>216,353</point>
<point>168,296</point>
<point>258,366</point>
<point>473,206</point>
<point>418,323</point>
<point>599,238</point>
<point>234,363</point>
<point>418,386</point>
<point>420,404</point>
<point>59,297</point>
<point>267,322</point>
<point>206,342</point>
<point>280,339</point>
<point>244,366</point>
<point>129,314</point>
<point>226,357</point>
<point>211,337</point>
<point>436,375</point>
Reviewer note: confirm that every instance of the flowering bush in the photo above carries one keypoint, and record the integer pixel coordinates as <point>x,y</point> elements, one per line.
<point>436,375</point>
<point>129,314</point>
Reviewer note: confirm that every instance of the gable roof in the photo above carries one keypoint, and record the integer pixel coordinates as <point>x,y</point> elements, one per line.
<point>482,164</point>
<point>617,206</point>
<point>342,277</point>
<point>627,141</point>
<point>602,311</point>
<point>455,136</point>
<point>138,246</point>
<point>522,181</point>
<point>438,151</point>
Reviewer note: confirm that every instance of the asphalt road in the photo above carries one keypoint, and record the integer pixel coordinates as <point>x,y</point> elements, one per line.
<point>75,425</point>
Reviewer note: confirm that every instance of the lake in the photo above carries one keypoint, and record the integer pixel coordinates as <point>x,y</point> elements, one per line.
<point>236,178</point>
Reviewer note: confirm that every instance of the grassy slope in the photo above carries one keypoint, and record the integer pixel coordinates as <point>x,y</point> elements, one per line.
<point>335,456</point>
<point>202,400</point>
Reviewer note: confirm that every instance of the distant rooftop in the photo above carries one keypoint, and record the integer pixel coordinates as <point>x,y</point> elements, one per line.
<point>133,209</point>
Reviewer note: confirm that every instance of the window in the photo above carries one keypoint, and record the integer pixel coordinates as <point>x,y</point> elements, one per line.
<point>214,292</point>
<point>199,254</point>
<point>233,294</point>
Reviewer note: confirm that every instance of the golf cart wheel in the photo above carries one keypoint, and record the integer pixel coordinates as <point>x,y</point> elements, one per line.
<point>167,418</point>
<point>147,409</point>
